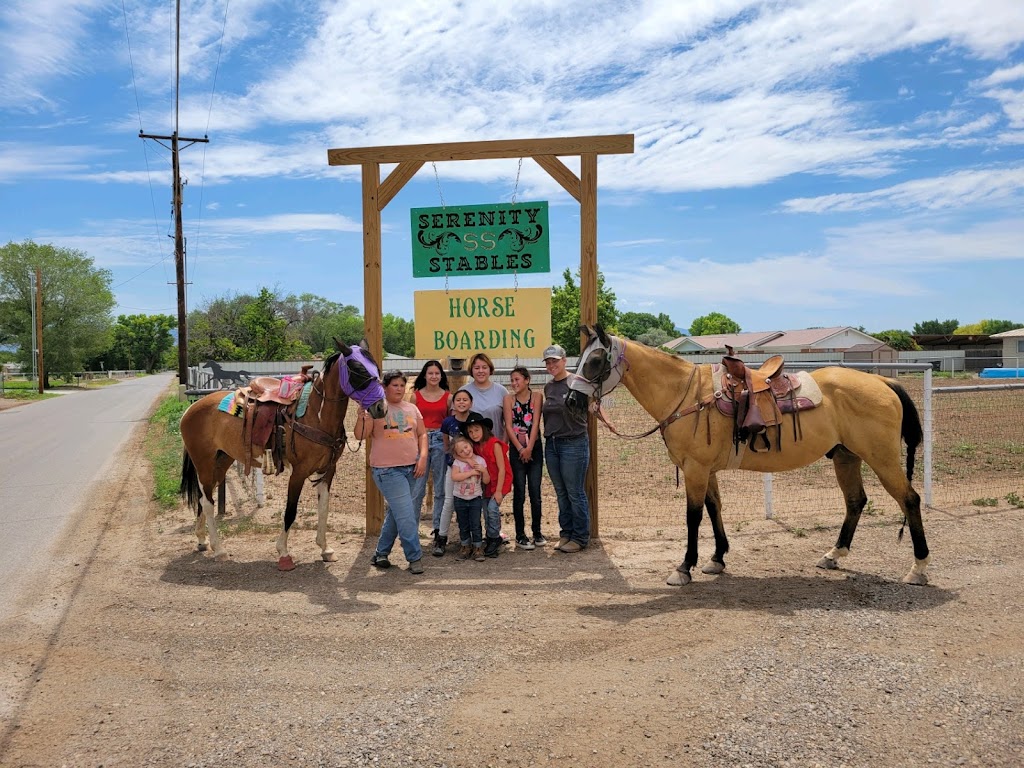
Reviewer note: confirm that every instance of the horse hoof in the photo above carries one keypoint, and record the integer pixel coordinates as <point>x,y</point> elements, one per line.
<point>202,546</point>
<point>329,556</point>
<point>714,567</point>
<point>828,563</point>
<point>917,579</point>
<point>221,557</point>
<point>285,563</point>
<point>678,579</point>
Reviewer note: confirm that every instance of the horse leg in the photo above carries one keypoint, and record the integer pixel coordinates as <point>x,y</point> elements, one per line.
<point>847,466</point>
<point>899,487</point>
<point>697,480</point>
<point>323,501</point>
<point>713,504</point>
<point>295,483</point>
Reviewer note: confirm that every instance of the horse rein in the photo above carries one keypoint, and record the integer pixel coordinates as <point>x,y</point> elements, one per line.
<point>665,423</point>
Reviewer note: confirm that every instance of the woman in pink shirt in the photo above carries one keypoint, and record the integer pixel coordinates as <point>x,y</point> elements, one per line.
<point>398,461</point>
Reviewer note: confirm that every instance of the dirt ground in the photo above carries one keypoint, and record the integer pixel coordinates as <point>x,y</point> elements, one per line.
<point>136,650</point>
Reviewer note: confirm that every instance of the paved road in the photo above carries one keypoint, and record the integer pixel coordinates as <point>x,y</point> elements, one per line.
<point>51,452</point>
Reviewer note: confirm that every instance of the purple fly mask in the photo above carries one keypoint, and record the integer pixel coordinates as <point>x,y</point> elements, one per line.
<point>364,375</point>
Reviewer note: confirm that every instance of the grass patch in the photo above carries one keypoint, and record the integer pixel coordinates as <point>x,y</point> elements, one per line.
<point>1015,500</point>
<point>163,448</point>
<point>985,502</point>
<point>24,390</point>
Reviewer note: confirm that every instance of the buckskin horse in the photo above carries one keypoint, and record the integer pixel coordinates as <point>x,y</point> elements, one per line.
<point>313,442</point>
<point>861,418</point>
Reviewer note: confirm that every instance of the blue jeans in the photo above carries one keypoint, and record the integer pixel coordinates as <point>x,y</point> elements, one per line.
<point>436,467</point>
<point>398,484</point>
<point>492,518</point>
<point>467,512</point>
<point>526,477</point>
<point>567,467</point>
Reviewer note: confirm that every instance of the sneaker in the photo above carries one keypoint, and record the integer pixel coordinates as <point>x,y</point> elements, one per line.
<point>492,548</point>
<point>380,561</point>
<point>539,541</point>
<point>524,543</point>
<point>478,553</point>
<point>440,545</point>
<point>465,551</point>
<point>571,547</point>
<point>416,567</point>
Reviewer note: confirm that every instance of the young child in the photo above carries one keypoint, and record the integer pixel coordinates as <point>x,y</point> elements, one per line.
<point>451,427</point>
<point>469,473</point>
<point>493,451</point>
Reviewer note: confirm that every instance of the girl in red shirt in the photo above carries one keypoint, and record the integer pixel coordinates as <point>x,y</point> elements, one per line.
<point>495,453</point>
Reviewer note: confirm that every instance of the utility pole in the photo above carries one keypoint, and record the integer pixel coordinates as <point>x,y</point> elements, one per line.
<point>39,325</point>
<point>179,239</point>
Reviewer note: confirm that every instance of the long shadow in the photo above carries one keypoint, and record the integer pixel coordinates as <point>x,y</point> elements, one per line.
<point>781,596</point>
<point>339,588</point>
<point>313,581</point>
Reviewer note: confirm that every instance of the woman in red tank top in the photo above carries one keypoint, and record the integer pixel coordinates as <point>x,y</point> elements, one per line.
<point>430,394</point>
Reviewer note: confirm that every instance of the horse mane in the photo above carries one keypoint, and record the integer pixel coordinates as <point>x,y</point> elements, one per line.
<point>330,361</point>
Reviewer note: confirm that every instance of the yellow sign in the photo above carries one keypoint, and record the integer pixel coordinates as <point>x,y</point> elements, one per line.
<point>501,322</point>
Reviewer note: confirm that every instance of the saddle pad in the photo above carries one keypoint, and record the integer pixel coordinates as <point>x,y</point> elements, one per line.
<point>230,405</point>
<point>300,409</point>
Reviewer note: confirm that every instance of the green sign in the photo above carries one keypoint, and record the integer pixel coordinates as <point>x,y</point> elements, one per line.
<point>468,240</point>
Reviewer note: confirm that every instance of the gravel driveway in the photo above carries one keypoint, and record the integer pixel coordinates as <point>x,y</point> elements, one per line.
<point>139,651</point>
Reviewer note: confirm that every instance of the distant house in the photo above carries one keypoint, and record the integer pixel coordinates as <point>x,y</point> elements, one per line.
<point>871,352</point>
<point>1013,347</point>
<point>837,339</point>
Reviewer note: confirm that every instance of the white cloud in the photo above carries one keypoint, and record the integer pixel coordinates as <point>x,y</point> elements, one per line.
<point>293,222</point>
<point>961,189</point>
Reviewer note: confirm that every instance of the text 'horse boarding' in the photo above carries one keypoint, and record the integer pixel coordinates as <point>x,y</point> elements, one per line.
<point>309,434</point>
<point>859,417</point>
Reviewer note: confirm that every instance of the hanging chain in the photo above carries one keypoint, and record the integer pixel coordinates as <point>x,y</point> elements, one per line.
<point>515,192</point>
<point>440,194</point>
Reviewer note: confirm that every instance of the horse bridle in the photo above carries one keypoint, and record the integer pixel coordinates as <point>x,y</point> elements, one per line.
<point>607,368</point>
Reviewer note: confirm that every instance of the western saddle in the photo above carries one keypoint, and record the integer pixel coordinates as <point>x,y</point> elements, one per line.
<point>757,398</point>
<point>266,401</point>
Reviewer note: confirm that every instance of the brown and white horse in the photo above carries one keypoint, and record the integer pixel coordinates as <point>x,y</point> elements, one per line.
<point>214,440</point>
<point>861,419</point>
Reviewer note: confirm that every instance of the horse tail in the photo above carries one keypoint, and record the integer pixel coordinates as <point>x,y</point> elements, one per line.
<point>189,481</point>
<point>911,429</point>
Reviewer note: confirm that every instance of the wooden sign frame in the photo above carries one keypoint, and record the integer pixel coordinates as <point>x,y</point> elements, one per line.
<point>410,158</point>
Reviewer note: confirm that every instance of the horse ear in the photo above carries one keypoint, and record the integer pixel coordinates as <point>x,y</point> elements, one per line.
<point>365,346</point>
<point>345,349</point>
<point>603,336</point>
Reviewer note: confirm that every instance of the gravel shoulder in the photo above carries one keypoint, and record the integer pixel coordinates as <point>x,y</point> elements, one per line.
<point>140,651</point>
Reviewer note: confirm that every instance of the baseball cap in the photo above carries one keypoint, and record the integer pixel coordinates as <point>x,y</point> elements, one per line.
<point>554,351</point>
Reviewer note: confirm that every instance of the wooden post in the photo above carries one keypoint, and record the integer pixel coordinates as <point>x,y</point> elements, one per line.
<point>39,328</point>
<point>372,318</point>
<point>588,306</point>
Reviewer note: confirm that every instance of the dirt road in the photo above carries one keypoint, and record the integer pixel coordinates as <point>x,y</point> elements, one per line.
<point>139,651</point>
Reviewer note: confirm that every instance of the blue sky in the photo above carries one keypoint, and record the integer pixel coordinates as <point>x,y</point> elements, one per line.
<point>796,164</point>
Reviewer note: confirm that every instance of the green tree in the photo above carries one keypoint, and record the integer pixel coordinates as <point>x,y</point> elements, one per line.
<point>655,337</point>
<point>633,324</point>
<point>998,326</point>
<point>941,327</point>
<point>896,339</point>
<point>263,329</point>
<point>142,341</point>
<point>399,335</point>
<point>76,305</point>
<point>316,321</point>
<point>713,323</point>
<point>565,311</point>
